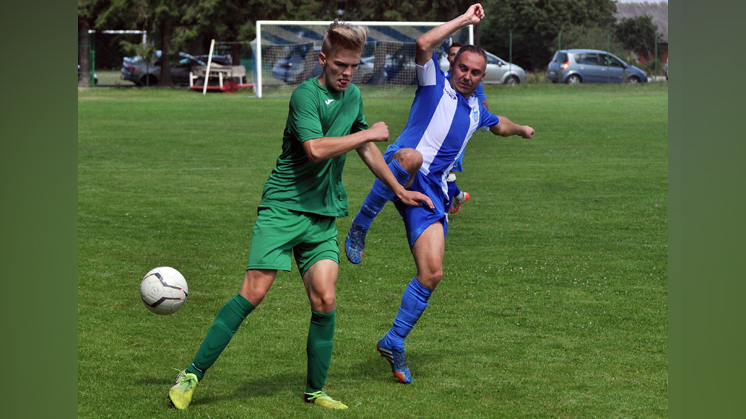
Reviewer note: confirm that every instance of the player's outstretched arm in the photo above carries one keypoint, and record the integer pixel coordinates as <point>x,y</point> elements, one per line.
<point>325,148</point>
<point>506,128</point>
<point>432,38</point>
<point>371,156</point>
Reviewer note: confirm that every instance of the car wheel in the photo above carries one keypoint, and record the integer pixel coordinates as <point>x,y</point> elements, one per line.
<point>633,80</point>
<point>512,81</point>
<point>574,79</point>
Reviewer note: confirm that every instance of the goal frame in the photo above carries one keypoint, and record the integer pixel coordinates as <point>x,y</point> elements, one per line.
<point>259,23</point>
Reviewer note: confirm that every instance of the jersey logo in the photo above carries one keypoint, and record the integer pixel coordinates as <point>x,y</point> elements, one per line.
<point>475,114</point>
<point>328,101</point>
<point>451,93</point>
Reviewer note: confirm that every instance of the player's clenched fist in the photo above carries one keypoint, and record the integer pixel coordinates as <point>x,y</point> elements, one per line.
<point>379,131</point>
<point>475,13</point>
<point>528,132</point>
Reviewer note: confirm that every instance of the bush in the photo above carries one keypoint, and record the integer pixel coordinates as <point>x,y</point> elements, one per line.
<point>650,67</point>
<point>536,77</point>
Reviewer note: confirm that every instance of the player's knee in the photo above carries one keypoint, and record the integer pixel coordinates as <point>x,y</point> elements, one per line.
<point>254,288</point>
<point>431,278</point>
<point>253,295</point>
<point>324,302</point>
<point>409,159</point>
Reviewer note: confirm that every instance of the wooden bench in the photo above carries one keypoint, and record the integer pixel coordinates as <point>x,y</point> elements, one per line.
<point>222,72</point>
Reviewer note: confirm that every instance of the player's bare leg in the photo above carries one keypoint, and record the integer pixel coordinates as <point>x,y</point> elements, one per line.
<point>428,253</point>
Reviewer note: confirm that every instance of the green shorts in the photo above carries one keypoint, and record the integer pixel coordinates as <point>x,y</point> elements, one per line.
<point>278,231</point>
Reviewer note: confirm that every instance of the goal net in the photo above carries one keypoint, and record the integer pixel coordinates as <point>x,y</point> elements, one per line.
<point>286,53</point>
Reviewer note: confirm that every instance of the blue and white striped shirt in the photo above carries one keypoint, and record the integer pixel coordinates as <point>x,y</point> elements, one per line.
<point>441,122</point>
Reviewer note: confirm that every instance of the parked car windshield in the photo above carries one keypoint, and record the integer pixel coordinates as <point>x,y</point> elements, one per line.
<point>493,60</point>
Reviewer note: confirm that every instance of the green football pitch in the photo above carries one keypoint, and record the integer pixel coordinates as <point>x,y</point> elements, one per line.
<point>553,304</point>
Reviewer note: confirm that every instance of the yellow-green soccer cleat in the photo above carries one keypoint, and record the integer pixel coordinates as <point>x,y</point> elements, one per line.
<point>182,390</point>
<point>320,398</point>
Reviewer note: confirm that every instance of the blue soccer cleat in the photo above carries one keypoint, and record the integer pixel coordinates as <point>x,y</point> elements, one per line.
<point>355,243</point>
<point>396,360</point>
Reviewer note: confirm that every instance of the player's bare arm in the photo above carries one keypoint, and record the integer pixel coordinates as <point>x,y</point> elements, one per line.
<point>432,38</point>
<point>371,156</point>
<point>325,148</point>
<point>506,128</point>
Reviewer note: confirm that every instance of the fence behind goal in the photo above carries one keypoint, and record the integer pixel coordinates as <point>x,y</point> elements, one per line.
<point>286,54</point>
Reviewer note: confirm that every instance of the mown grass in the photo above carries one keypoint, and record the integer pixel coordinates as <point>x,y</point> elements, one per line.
<point>554,297</point>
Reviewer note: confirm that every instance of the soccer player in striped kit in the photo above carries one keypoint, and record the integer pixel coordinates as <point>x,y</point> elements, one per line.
<point>445,114</point>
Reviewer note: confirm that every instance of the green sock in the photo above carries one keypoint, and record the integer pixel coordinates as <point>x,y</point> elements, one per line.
<point>221,332</point>
<point>319,349</point>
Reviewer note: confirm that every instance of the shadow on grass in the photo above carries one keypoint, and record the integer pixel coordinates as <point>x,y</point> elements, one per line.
<point>375,367</point>
<point>272,385</point>
<point>156,381</point>
<point>267,386</point>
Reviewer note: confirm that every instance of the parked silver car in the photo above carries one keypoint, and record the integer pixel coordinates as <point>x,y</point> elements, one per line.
<point>403,67</point>
<point>498,71</point>
<point>143,73</point>
<point>592,66</point>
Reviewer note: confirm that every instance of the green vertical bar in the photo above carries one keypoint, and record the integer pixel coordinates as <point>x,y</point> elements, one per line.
<point>510,54</point>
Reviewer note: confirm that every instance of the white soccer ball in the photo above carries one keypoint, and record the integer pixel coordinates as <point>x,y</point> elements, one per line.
<point>164,290</point>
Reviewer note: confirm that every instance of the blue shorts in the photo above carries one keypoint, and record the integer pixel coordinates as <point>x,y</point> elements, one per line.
<point>458,166</point>
<point>417,219</point>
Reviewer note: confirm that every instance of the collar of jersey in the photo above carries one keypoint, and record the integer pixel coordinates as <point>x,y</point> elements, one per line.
<point>329,92</point>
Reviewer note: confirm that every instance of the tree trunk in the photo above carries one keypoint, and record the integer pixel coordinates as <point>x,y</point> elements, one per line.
<point>236,53</point>
<point>166,32</point>
<point>84,53</point>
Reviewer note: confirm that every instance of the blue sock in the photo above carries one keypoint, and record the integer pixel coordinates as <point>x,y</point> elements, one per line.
<point>378,196</point>
<point>414,301</point>
<point>453,190</point>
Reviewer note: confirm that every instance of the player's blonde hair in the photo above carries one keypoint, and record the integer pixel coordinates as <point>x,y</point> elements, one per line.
<point>344,35</point>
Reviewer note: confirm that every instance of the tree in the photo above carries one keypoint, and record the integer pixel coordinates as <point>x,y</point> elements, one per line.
<point>637,34</point>
<point>535,24</point>
<point>229,20</point>
<point>88,10</point>
<point>84,50</point>
<point>161,18</point>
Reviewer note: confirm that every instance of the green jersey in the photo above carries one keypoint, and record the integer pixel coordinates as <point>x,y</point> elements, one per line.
<point>298,184</point>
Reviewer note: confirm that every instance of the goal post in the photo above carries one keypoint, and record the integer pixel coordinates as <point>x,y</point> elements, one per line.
<point>285,53</point>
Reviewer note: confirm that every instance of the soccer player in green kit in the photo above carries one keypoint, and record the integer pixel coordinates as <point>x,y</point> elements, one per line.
<point>297,214</point>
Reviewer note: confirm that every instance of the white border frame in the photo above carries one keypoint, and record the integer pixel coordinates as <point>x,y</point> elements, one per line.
<point>259,23</point>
